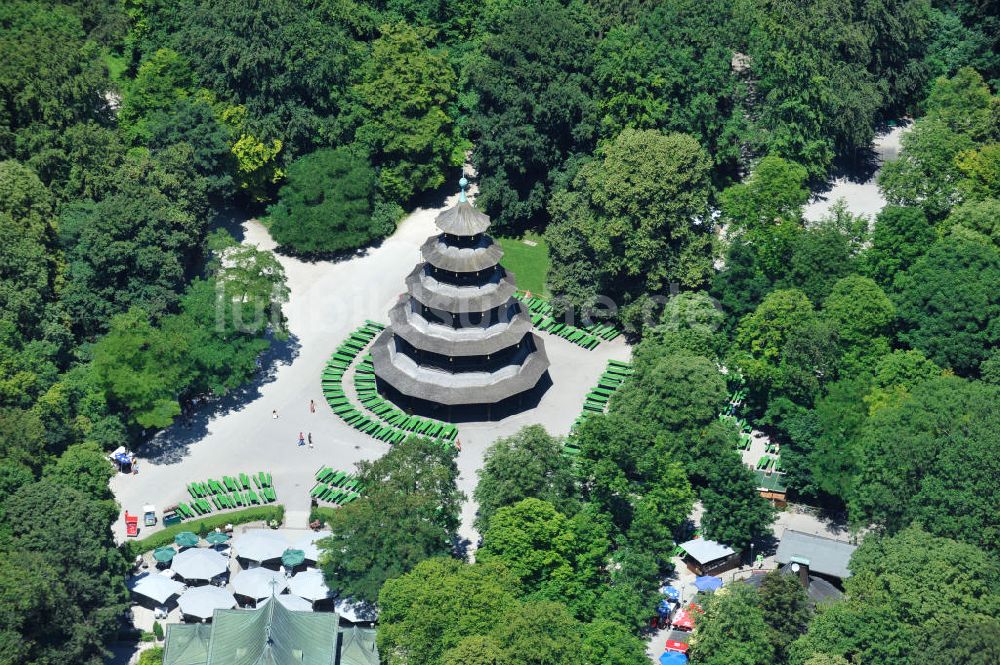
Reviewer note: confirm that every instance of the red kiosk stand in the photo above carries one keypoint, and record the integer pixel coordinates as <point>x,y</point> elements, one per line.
<point>131,525</point>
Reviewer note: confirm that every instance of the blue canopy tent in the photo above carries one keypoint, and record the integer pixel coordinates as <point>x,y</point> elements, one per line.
<point>664,608</point>
<point>670,592</point>
<point>673,658</point>
<point>707,583</point>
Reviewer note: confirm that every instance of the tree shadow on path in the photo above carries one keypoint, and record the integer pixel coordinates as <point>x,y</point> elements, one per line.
<point>170,446</point>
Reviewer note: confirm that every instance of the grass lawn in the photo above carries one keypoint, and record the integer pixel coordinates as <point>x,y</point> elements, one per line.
<point>116,66</point>
<point>529,263</point>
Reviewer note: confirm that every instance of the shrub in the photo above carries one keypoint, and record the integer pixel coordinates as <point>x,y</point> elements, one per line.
<point>157,631</point>
<point>133,548</point>
<point>326,205</point>
<point>153,656</point>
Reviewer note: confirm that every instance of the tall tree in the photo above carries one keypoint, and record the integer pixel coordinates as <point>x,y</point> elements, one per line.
<point>406,92</point>
<point>527,464</point>
<point>732,630</point>
<point>64,591</point>
<point>533,108</point>
<point>326,204</point>
<point>641,212</point>
<point>947,304</point>
<point>412,491</point>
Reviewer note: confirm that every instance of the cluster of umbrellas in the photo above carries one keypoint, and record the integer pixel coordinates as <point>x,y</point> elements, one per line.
<point>193,563</point>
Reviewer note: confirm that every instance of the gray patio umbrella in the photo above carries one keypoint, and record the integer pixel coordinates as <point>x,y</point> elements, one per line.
<point>216,538</point>
<point>258,583</point>
<point>164,554</point>
<point>291,602</point>
<point>202,601</point>
<point>259,545</point>
<point>199,563</point>
<point>157,587</point>
<point>309,546</point>
<point>186,539</point>
<point>291,558</point>
<point>310,585</point>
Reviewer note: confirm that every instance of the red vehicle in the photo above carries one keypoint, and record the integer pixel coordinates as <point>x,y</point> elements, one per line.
<point>131,525</point>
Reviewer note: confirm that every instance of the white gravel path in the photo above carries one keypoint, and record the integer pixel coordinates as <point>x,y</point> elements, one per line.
<point>863,198</point>
<point>327,301</point>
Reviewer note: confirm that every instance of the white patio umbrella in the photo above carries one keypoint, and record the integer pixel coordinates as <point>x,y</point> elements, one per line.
<point>156,587</point>
<point>309,546</point>
<point>259,545</point>
<point>354,612</point>
<point>199,563</point>
<point>310,585</point>
<point>258,583</point>
<point>202,601</point>
<point>291,602</point>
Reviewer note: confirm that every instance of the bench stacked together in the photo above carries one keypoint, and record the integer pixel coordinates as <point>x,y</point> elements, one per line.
<point>614,376</point>
<point>336,487</point>
<point>231,492</point>
<point>379,418</point>
<point>543,317</point>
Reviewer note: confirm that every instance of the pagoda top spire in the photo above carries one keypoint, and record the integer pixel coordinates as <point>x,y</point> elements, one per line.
<point>463,219</point>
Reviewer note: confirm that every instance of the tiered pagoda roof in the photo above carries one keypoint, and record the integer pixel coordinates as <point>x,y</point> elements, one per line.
<point>458,336</point>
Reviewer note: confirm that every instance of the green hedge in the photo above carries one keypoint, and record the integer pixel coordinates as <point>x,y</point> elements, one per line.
<point>322,514</point>
<point>202,526</point>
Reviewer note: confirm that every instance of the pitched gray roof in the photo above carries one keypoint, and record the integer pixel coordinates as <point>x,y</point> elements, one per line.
<point>358,647</point>
<point>463,220</point>
<point>703,551</point>
<point>451,298</point>
<point>455,388</point>
<point>448,341</point>
<point>187,644</point>
<point>825,555</point>
<point>273,635</point>
<point>461,259</point>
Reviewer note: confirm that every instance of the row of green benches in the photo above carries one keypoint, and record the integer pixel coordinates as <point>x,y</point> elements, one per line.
<point>388,413</point>
<point>225,500</point>
<point>769,463</point>
<point>337,487</point>
<point>542,317</point>
<point>385,422</point>
<point>597,399</point>
<point>199,490</point>
<point>333,383</point>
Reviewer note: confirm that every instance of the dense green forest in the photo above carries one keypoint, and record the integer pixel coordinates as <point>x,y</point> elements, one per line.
<point>629,134</point>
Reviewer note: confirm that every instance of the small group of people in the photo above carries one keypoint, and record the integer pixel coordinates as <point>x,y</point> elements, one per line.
<point>302,437</point>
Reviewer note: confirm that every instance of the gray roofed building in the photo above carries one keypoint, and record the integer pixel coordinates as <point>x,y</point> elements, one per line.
<point>357,647</point>
<point>704,551</point>
<point>459,337</point>
<point>269,635</point>
<point>825,556</point>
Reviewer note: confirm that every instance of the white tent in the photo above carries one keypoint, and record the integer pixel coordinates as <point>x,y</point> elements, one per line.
<point>259,545</point>
<point>310,585</point>
<point>309,546</point>
<point>354,612</point>
<point>291,602</point>
<point>259,583</point>
<point>202,601</point>
<point>199,563</point>
<point>157,587</point>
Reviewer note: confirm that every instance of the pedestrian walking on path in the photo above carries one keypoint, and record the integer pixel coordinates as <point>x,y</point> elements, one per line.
<point>274,414</point>
<point>312,406</point>
<point>302,439</point>
<point>310,440</point>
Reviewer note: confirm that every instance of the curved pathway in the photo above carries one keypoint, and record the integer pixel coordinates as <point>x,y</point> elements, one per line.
<point>327,301</point>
